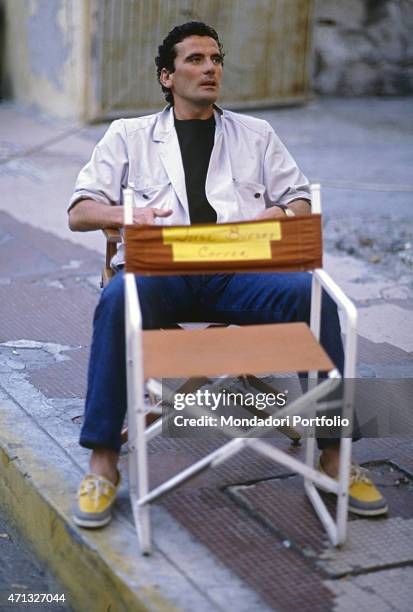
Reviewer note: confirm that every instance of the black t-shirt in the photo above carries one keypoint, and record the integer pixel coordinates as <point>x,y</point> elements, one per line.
<point>196,141</point>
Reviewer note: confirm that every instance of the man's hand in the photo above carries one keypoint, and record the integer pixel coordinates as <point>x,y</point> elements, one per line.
<point>270,213</point>
<point>89,215</point>
<point>299,207</point>
<point>147,216</point>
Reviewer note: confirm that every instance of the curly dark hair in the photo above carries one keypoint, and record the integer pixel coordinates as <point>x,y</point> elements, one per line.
<point>167,52</point>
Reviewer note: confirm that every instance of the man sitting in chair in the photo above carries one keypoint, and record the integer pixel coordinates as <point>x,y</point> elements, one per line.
<point>190,163</point>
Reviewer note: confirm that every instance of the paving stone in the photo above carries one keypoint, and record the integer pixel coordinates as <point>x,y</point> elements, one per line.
<point>385,591</point>
<point>371,545</point>
<point>374,323</point>
<point>381,353</point>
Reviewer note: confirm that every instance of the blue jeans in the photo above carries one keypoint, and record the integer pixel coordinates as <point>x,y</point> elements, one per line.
<point>241,299</point>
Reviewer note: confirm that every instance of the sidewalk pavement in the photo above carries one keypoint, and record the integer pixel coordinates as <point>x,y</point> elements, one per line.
<point>243,533</point>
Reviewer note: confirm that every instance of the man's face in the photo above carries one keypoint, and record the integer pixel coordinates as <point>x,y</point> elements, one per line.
<point>198,72</point>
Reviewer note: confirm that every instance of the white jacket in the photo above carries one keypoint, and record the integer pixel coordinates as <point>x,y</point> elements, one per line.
<point>249,169</point>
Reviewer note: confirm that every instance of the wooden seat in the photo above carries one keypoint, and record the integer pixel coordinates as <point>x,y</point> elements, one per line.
<point>253,349</point>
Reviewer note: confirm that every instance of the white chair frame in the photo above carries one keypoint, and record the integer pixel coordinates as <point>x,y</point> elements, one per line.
<point>140,494</point>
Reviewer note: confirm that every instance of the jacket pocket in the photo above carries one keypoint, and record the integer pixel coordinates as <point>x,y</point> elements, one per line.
<point>157,196</point>
<point>251,198</point>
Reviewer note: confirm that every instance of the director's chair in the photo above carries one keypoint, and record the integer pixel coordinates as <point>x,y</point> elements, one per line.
<point>287,244</point>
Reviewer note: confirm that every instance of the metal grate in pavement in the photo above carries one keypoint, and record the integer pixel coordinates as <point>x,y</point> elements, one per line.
<point>282,506</point>
<point>47,313</point>
<point>281,576</point>
<point>30,250</point>
<point>64,379</point>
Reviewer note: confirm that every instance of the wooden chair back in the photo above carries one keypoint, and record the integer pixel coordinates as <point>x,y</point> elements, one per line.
<point>280,245</point>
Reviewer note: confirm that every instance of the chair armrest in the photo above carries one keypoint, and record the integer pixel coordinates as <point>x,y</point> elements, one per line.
<point>346,305</point>
<point>113,238</point>
<point>338,295</point>
<point>112,235</point>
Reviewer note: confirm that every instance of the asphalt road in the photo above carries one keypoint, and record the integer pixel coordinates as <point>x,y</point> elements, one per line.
<point>22,574</point>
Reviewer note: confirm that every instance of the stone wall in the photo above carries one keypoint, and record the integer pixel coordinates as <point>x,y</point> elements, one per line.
<point>363,47</point>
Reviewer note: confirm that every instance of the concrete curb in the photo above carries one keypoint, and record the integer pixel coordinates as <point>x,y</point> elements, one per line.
<point>99,571</point>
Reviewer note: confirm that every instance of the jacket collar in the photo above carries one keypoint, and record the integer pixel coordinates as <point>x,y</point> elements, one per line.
<point>165,123</point>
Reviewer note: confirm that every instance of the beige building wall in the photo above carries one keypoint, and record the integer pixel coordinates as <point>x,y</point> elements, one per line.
<point>45,54</point>
<point>94,59</point>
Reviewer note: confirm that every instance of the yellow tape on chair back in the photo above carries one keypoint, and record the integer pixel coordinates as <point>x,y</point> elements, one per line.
<point>233,242</point>
<point>220,251</point>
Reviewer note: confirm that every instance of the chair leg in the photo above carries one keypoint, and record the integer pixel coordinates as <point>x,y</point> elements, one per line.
<point>345,460</point>
<point>310,451</point>
<point>336,530</point>
<point>310,440</point>
<point>343,483</point>
<point>314,496</point>
<point>321,510</point>
<point>138,478</point>
<point>143,512</point>
<point>138,459</point>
